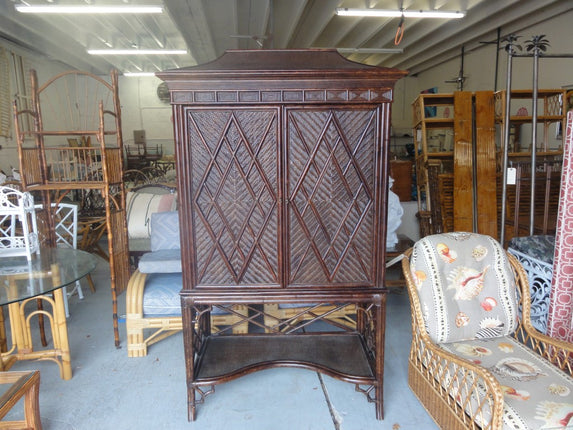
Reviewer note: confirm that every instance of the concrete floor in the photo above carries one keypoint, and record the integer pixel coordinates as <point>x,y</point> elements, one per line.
<point>108,390</point>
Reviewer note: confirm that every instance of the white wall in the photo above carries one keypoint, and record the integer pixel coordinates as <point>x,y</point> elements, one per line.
<point>141,109</point>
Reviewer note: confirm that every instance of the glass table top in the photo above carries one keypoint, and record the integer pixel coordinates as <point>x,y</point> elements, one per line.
<point>53,268</point>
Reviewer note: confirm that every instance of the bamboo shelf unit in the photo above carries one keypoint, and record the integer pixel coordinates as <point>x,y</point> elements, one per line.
<point>445,157</point>
<point>70,147</point>
<point>444,153</point>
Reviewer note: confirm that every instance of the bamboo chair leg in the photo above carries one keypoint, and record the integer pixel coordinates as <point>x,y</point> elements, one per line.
<point>3,341</point>
<point>91,283</point>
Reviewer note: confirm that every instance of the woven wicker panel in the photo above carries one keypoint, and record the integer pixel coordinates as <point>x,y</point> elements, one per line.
<point>30,166</point>
<point>434,196</point>
<point>113,159</point>
<point>235,188</point>
<point>331,169</point>
<point>446,196</point>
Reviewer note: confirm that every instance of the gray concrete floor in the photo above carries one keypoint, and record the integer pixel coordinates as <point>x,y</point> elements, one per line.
<point>108,390</point>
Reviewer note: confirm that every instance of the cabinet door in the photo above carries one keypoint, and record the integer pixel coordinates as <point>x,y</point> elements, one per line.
<point>331,159</point>
<point>234,196</point>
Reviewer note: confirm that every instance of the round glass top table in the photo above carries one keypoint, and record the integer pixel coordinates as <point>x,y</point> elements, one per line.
<point>28,279</point>
<point>41,279</point>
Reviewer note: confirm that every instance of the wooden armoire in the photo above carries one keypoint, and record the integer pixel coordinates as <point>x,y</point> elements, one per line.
<point>282,172</point>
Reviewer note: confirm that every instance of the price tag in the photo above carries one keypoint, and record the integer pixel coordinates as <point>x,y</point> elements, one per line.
<point>511,175</point>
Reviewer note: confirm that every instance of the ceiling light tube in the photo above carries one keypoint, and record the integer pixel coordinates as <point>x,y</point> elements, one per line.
<point>137,51</point>
<point>400,13</point>
<point>87,9</point>
<point>138,74</point>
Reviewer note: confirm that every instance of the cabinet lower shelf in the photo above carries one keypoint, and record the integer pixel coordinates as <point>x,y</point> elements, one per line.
<point>341,355</point>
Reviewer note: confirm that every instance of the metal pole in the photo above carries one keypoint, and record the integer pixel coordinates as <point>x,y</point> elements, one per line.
<point>474,170</point>
<point>509,48</point>
<point>496,58</point>
<point>461,77</point>
<point>533,140</point>
<point>537,44</point>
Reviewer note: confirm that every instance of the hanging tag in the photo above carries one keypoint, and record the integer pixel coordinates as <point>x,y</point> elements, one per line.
<point>511,175</point>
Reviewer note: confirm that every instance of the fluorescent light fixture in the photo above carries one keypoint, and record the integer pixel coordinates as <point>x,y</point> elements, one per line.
<point>137,51</point>
<point>138,74</point>
<point>89,9</point>
<point>400,13</point>
<point>370,50</point>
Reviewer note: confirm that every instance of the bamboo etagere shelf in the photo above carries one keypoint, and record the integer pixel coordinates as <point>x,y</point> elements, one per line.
<point>70,148</point>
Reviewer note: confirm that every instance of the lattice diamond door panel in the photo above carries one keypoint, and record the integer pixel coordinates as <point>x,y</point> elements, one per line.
<point>331,168</point>
<point>234,189</point>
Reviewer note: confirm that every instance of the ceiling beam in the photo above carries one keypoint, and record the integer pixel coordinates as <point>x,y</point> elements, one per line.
<point>318,14</point>
<point>252,23</point>
<point>190,19</point>
<point>286,14</point>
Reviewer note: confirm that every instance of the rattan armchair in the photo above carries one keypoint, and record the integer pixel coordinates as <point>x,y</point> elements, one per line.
<point>486,378</point>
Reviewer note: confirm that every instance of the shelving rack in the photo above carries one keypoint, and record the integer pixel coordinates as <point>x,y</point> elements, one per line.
<point>444,164</point>
<point>431,161</point>
<point>57,160</point>
<point>551,107</point>
<point>551,111</point>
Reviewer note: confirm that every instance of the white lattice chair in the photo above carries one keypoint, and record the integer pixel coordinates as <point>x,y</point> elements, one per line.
<point>18,227</point>
<point>476,361</point>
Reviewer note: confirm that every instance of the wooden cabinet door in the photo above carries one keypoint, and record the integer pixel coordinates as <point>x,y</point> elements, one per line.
<point>234,194</point>
<point>331,167</point>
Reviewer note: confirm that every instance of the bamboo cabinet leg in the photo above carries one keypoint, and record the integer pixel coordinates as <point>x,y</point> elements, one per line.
<point>188,315</point>
<point>380,338</point>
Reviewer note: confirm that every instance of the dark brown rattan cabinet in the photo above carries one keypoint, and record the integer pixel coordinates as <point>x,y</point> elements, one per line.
<point>282,174</point>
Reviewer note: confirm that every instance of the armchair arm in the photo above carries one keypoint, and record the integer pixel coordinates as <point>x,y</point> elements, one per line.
<point>134,295</point>
<point>558,352</point>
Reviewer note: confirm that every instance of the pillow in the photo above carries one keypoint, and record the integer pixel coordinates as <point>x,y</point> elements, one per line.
<point>140,206</point>
<point>165,231</point>
<point>161,261</point>
<point>466,287</point>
